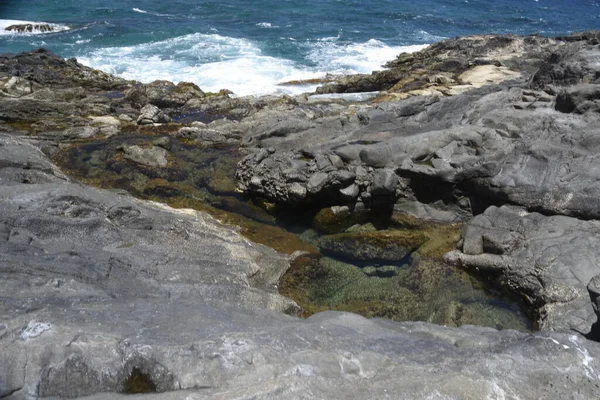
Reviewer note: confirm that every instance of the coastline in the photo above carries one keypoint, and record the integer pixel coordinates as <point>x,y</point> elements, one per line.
<point>495,132</point>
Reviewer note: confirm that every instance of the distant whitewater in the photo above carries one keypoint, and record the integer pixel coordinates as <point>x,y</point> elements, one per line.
<point>254,48</point>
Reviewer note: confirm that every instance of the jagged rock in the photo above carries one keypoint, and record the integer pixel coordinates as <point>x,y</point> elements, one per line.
<point>29,28</point>
<point>163,94</point>
<point>150,114</point>
<point>579,99</point>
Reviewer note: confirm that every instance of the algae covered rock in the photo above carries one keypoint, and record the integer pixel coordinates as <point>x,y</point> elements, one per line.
<point>153,156</point>
<point>378,245</point>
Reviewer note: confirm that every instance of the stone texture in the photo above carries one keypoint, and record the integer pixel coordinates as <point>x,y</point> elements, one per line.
<point>548,261</point>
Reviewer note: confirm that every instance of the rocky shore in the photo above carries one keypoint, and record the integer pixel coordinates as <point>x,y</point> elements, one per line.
<point>103,293</point>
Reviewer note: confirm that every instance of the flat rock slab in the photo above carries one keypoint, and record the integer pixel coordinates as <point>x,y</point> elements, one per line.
<point>200,351</point>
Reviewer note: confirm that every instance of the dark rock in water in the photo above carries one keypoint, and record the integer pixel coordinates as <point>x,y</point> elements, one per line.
<point>386,246</point>
<point>29,28</point>
<point>149,156</point>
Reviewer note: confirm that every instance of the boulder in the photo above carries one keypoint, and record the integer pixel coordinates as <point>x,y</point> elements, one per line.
<point>150,114</point>
<point>153,156</point>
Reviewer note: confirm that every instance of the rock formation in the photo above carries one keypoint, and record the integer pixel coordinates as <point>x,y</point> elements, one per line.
<point>29,28</point>
<point>102,293</point>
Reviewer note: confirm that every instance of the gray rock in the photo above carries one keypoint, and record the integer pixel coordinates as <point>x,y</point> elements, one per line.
<point>81,132</point>
<point>163,142</point>
<point>150,114</point>
<point>384,182</point>
<point>548,261</point>
<point>202,135</point>
<point>351,191</point>
<point>376,156</point>
<point>297,191</point>
<point>317,182</point>
<point>149,156</point>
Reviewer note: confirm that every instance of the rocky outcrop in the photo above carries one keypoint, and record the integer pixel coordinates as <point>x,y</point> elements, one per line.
<point>548,261</point>
<point>29,28</point>
<point>453,66</point>
<point>528,143</point>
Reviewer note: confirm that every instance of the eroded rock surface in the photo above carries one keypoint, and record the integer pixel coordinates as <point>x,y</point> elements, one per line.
<point>528,141</point>
<point>549,261</point>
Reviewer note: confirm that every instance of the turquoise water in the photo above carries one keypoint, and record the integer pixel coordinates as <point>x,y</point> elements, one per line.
<point>250,47</point>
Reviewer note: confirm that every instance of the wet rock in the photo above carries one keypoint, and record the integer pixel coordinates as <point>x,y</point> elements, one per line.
<point>386,246</point>
<point>153,156</point>
<point>163,142</point>
<point>21,28</point>
<point>163,94</point>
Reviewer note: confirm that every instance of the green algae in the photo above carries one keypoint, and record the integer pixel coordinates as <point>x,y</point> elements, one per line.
<point>432,292</point>
<point>418,286</point>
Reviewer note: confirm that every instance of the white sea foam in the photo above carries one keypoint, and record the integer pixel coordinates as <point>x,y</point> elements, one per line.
<point>357,57</point>
<point>5,23</point>
<point>138,10</point>
<point>216,62</point>
<point>267,25</point>
<point>346,96</point>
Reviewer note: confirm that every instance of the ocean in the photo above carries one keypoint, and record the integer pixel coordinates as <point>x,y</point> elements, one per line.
<point>251,47</point>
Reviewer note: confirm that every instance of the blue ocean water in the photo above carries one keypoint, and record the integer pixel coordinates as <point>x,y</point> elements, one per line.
<point>252,46</point>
